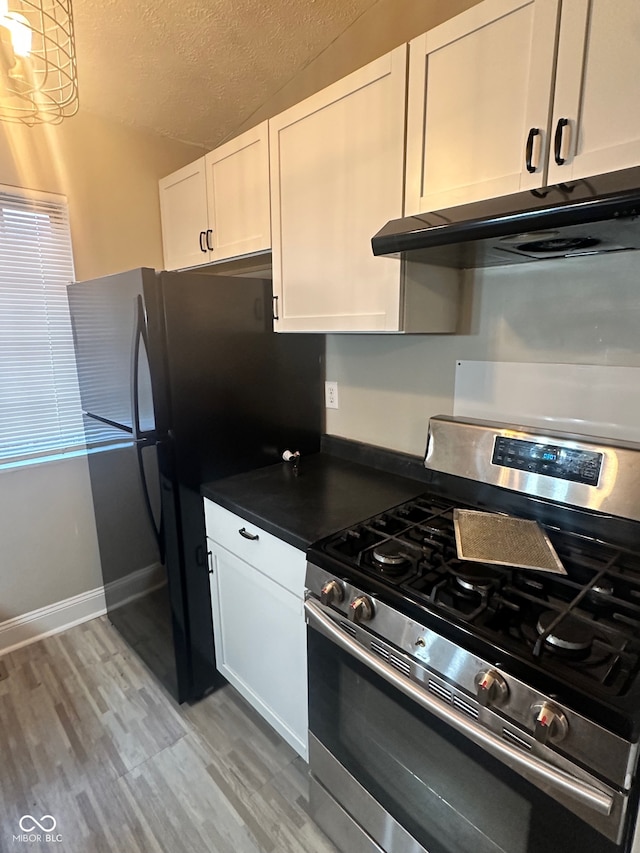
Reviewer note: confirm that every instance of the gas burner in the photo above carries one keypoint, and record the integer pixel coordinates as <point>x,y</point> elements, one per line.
<point>569,635</point>
<point>438,526</point>
<point>602,592</point>
<point>390,559</point>
<point>580,652</point>
<point>474,577</point>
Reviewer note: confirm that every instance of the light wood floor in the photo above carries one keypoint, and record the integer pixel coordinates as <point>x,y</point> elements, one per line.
<point>87,736</point>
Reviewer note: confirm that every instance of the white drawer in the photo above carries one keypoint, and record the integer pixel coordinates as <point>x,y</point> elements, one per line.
<point>276,559</point>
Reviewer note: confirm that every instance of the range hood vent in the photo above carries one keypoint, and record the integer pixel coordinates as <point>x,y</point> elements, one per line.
<point>590,216</point>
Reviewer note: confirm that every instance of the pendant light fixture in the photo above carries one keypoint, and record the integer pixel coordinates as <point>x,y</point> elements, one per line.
<point>38,81</point>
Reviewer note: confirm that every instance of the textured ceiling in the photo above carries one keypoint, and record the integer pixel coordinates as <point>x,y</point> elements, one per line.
<point>196,69</point>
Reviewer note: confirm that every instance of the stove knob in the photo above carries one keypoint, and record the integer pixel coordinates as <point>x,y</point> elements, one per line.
<point>360,609</point>
<point>491,688</point>
<point>332,592</point>
<point>550,723</point>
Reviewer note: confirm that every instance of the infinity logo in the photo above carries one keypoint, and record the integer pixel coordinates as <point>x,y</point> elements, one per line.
<point>41,824</point>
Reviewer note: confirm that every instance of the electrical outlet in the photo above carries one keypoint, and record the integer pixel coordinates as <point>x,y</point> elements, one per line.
<point>331,395</point>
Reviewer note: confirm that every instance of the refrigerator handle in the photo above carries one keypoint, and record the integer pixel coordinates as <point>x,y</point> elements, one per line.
<point>158,529</point>
<point>142,439</point>
<point>139,335</point>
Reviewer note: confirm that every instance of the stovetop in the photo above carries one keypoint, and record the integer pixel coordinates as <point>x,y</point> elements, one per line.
<point>579,632</point>
<point>583,627</point>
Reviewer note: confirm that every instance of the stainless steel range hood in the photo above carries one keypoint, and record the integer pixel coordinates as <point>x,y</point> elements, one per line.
<point>590,216</point>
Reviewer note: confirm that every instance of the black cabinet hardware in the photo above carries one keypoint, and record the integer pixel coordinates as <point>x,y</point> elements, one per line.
<point>557,141</point>
<point>245,533</point>
<point>535,131</point>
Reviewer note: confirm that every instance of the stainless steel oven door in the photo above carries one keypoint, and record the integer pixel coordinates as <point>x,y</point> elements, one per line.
<point>446,784</point>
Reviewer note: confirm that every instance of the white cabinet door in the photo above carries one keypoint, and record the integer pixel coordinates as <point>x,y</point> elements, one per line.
<point>480,88</point>
<point>238,195</point>
<point>597,89</point>
<point>218,207</point>
<point>337,162</point>
<point>258,620</point>
<point>260,639</point>
<point>183,209</point>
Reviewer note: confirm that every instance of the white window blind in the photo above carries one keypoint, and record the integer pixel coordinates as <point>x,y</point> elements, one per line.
<point>40,412</point>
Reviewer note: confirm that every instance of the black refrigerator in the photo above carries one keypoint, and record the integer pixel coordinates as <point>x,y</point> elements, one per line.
<point>182,381</point>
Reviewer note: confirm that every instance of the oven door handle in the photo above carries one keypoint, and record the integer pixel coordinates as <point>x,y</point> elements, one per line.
<point>546,776</point>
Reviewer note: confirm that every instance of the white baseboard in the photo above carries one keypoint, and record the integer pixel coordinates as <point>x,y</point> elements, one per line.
<point>132,586</point>
<point>54,618</point>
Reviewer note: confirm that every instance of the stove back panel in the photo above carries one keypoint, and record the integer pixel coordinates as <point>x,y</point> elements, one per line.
<point>589,473</point>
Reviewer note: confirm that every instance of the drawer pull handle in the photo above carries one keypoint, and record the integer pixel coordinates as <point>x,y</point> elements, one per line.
<point>244,532</point>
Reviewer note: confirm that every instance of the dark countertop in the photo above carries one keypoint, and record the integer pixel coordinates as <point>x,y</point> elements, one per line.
<point>329,493</point>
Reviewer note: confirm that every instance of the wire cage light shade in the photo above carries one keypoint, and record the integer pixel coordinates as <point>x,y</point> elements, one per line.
<point>38,79</point>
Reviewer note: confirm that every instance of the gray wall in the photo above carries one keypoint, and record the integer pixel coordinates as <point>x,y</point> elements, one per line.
<point>581,311</point>
<point>48,548</point>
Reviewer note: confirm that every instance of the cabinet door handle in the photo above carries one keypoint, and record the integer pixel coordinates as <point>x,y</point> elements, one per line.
<point>535,131</point>
<point>202,246</point>
<point>275,308</point>
<point>557,141</point>
<point>244,532</point>
<point>210,561</point>
<point>209,233</point>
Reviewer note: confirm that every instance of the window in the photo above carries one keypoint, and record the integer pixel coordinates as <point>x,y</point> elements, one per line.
<point>40,413</point>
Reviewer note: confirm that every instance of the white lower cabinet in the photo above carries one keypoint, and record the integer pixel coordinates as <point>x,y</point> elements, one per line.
<point>257,590</point>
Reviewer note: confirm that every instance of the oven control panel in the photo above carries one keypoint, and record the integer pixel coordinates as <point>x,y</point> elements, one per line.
<point>563,463</point>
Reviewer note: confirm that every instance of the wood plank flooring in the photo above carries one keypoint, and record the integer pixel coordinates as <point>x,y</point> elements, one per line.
<point>88,737</point>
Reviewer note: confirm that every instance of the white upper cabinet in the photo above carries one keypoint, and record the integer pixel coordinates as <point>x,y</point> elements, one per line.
<point>183,210</point>
<point>238,195</point>
<point>480,86</point>
<point>218,207</point>
<point>597,89</point>
<point>517,94</point>
<point>337,162</point>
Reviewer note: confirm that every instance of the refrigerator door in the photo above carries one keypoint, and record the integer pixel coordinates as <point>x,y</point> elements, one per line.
<point>136,581</point>
<point>106,333</point>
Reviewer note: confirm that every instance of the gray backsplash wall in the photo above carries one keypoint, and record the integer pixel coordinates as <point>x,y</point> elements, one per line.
<point>579,311</point>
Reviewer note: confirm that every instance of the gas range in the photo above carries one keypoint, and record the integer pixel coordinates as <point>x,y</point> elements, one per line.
<point>548,662</point>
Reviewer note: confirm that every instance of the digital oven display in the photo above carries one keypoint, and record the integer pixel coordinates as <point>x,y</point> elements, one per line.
<point>563,463</point>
